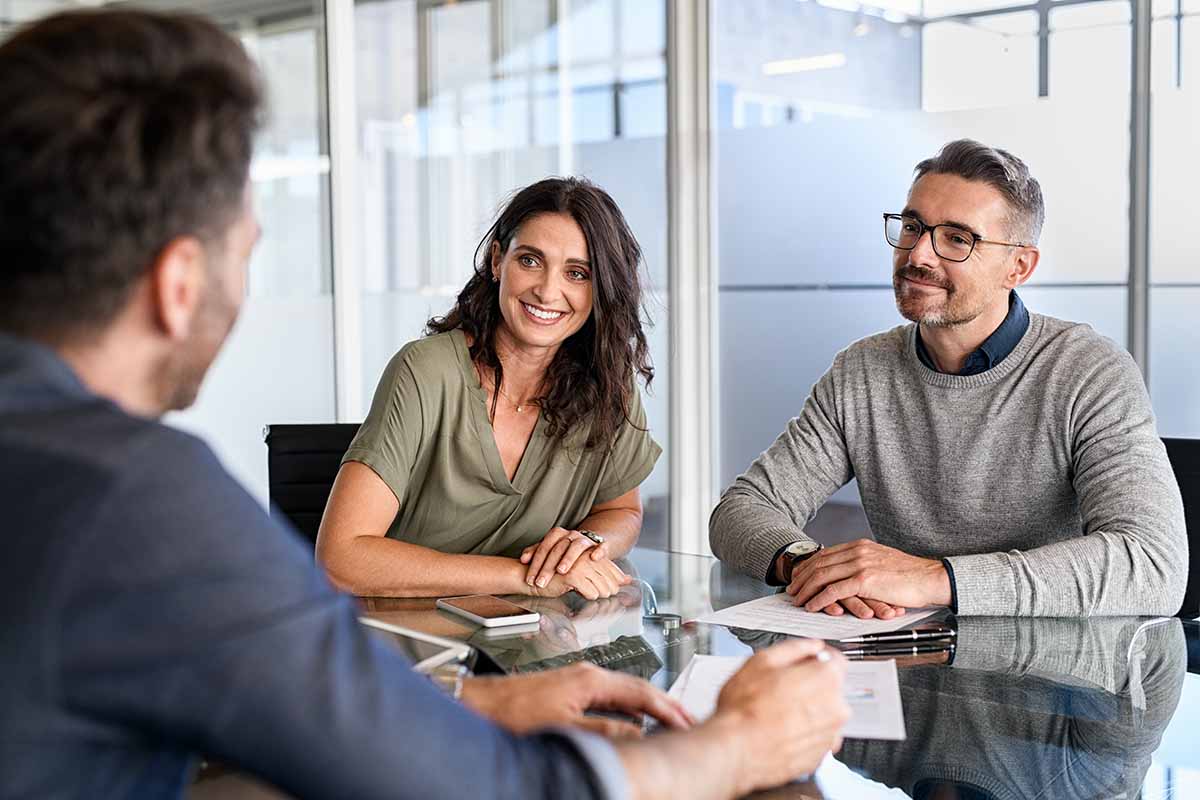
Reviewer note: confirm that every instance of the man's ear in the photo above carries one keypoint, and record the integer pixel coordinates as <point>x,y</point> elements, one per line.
<point>1023,265</point>
<point>178,280</point>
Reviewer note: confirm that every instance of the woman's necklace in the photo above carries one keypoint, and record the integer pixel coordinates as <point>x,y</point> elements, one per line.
<point>520,407</point>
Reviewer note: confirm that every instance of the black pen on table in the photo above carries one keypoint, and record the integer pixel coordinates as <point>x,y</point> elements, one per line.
<point>913,635</point>
<point>900,650</point>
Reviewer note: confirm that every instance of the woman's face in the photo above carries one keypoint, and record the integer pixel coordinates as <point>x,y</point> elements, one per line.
<point>545,281</point>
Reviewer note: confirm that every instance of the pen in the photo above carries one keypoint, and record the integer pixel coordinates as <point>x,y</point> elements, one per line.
<point>914,635</point>
<point>903,650</point>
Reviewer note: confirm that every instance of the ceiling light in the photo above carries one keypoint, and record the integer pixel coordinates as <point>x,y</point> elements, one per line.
<point>789,66</point>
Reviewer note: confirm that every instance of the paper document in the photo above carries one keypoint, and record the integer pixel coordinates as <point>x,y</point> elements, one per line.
<point>872,691</point>
<point>777,614</point>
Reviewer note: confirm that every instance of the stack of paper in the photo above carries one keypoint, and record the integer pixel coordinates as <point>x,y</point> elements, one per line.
<point>871,689</point>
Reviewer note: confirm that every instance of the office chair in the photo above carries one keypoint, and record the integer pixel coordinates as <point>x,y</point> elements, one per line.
<point>302,461</point>
<point>1191,635</point>
<point>1185,461</point>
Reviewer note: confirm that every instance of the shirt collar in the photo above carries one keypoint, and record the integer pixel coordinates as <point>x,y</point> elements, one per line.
<point>29,368</point>
<point>996,347</point>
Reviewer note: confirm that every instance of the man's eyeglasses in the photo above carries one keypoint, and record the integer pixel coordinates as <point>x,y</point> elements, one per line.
<point>949,241</point>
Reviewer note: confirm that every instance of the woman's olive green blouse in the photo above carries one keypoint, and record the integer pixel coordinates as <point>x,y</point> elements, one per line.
<point>429,438</point>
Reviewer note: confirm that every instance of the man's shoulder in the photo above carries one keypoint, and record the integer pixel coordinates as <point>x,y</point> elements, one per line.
<point>891,344</point>
<point>95,437</point>
<point>1064,342</point>
<point>92,479</point>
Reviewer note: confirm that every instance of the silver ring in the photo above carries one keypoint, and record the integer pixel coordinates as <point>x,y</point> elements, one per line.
<point>595,537</point>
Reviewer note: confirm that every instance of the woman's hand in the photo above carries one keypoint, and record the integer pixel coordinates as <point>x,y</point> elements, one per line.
<point>557,552</point>
<point>594,579</point>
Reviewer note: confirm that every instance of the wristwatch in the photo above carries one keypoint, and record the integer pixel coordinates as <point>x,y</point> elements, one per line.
<point>796,552</point>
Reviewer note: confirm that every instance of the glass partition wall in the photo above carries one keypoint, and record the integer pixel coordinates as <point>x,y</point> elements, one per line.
<point>820,109</point>
<point>824,108</point>
<point>462,104</point>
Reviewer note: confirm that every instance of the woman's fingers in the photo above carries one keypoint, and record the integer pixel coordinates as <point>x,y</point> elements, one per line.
<point>579,545</point>
<point>540,553</point>
<point>552,559</point>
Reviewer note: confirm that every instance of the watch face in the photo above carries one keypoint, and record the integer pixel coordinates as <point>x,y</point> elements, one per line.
<point>801,549</point>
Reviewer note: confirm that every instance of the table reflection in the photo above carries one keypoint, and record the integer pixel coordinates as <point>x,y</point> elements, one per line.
<point>1026,708</point>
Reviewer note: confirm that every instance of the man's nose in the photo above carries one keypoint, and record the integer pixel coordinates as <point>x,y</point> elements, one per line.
<point>923,252</point>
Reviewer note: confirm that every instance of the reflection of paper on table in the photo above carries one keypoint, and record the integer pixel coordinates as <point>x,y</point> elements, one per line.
<point>839,782</point>
<point>872,690</point>
<point>777,614</point>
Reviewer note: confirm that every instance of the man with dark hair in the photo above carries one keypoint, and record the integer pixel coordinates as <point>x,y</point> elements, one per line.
<point>1008,461</point>
<point>150,609</point>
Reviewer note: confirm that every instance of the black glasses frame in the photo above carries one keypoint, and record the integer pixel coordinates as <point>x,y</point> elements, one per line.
<point>931,229</point>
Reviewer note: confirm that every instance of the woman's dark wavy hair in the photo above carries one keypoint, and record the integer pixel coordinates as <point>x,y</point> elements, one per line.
<point>592,375</point>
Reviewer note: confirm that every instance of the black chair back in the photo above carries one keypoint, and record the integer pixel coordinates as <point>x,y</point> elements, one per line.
<point>1185,461</point>
<point>302,461</point>
<point>1191,635</point>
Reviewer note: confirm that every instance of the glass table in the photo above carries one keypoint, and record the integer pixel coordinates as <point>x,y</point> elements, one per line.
<point>1027,708</point>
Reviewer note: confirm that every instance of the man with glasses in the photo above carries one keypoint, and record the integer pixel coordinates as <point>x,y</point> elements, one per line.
<point>1008,461</point>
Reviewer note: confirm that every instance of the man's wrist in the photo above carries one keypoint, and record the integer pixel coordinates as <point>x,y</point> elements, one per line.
<point>783,568</point>
<point>475,694</point>
<point>940,586</point>
<point>775,576</point>
<point>728,729</point>
<point>953,584</point>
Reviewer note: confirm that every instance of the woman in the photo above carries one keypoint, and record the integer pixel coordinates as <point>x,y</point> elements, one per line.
<point>511,440</point>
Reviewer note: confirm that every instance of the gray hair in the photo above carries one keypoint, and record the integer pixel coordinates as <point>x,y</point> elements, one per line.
<point>1004,172</point>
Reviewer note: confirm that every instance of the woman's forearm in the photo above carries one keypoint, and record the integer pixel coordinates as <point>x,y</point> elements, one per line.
<point>620,528</point>
<point>376,566</point>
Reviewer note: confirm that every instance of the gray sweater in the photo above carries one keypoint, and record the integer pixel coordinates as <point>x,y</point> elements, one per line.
<point>1042,480</point>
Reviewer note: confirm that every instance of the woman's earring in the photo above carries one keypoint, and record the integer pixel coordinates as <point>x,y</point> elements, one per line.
<point>495,278</point>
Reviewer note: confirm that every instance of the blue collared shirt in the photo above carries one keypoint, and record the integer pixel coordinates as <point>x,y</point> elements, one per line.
<point>996,347</point>
<point>149,611</point>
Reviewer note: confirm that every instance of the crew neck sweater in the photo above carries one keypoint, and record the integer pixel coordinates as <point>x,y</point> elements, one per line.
<point>1042,481</point>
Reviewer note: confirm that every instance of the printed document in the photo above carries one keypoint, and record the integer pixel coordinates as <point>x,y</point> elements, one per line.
<point>872,691</point>
<point>777,614</point>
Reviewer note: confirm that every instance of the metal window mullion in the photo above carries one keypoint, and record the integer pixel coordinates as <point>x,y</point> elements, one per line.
<point>691,286</point>
<point>1043,12</point>
<point>1139,189</point>
<point>566,96</point>
<point>347,277</point>
<point>1178,44</point>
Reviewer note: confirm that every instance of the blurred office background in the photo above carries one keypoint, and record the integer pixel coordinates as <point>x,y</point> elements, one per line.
<point>420,117</point>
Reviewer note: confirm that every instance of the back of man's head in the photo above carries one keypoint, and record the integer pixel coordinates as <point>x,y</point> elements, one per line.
<point>1004,172</point>
<point>120,131</point>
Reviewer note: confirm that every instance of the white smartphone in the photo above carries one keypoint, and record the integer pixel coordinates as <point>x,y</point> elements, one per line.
<point>488,611</point>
